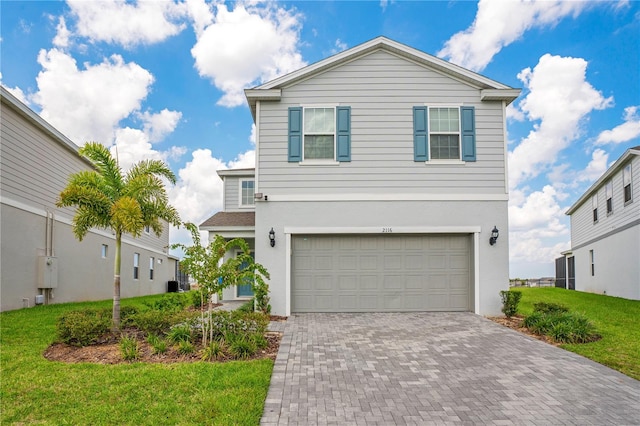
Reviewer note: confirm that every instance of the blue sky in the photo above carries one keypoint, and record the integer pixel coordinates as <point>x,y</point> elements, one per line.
<point>164,79</point>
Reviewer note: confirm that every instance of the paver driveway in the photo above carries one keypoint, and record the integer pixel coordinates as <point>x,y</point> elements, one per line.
<point>436,368</point>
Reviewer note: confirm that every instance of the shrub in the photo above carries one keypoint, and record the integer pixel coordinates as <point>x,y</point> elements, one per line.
<point>510,300</point>
<point>549,308</point>
<point>186,348</point>
<point>130,348</point>
<point>170,302</point>
<point>241,347</point>
<point>259,340</point>
<point>562,327</point>
<point>261,294</point>
<point>214,351</point>
<point>84,327</point>
<point>158,345</point>
<point>196,298</point>
<point>247,307</point>
<point>153,321</point>
<point>180,333</point>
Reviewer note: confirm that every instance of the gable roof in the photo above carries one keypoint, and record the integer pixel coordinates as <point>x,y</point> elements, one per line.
<point>615,167</point>
<point>236,172</point>
<point>491,89</point>
<point>229,219</point>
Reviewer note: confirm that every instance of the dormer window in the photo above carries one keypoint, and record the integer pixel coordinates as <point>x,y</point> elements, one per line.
<point>247,191</point>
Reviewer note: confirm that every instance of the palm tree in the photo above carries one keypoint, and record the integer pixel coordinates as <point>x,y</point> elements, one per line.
<point>124,203</point>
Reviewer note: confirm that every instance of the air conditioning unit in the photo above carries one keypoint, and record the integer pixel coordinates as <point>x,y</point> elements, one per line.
<point>47,272</point>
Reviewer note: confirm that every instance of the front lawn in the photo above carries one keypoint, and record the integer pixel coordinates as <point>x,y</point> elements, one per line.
<point>616,319</point>
<point>35,390</point>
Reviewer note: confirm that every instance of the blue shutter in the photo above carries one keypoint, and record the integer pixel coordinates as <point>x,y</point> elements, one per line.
<point>468,133</point>
<point>295,134</point>
<point>420,134</point>
<point>343,133</point>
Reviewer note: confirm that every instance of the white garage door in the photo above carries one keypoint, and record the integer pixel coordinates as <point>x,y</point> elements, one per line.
<point>374,273</point>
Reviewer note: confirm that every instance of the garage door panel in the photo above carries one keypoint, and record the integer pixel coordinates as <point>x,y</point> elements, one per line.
<point>370,273</point>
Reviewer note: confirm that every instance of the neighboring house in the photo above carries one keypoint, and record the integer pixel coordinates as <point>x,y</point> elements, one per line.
<point>237,218</point>
<point>605,234</point>
<point>382,172</point>
<point>41,260</point>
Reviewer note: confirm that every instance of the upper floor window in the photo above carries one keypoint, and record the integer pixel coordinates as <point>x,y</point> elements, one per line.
<point>136,266</point>
<point>626,182</point>
<point>319,133</point>
<point>444,133</point>
<point>147,229</point>
<point>247,191</point>
<point>151,260</point>
<point>594,206</point>
<point>609,193</point>
<point>104,251</point>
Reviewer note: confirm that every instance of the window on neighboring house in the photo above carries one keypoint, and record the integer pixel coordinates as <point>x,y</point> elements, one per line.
<point>136,265</point>
<point>444,133</point>
<point>626,183</point>
<point>319,134</point>
<point>151,260</point>
<point>147,229</point>
<point>104,251</point>
<point>609,193</point>
<point>593,265</point>
<point>247,191</point>
<point>594,206</point>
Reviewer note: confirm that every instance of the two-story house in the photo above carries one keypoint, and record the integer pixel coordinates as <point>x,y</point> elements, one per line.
<point>381,184</point>
<point>605,233</point>
<point>41,260</point>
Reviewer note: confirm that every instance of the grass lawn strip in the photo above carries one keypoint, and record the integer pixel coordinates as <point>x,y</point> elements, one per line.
<point>617,320</point>
<point>34,390</point>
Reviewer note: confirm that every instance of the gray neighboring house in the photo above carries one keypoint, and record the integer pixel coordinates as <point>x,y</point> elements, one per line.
<point>382,172</point>
<point>40,259</point>
<point>605,234</point>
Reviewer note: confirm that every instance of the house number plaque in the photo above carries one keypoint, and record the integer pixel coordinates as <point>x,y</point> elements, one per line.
<point>387,230</point>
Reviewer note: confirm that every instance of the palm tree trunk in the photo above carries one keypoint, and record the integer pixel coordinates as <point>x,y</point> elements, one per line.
<point>116,284</point>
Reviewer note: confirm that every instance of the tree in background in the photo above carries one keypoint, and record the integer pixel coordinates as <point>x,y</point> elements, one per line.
<point>206,265</point>
<point>107,198</point>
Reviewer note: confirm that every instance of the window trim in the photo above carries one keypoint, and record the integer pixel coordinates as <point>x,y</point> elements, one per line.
<point>594,207</point>
<point>151,262</point>
<point>626,185</point>
<point>320,161</point>
<point>593,263</point>
<point>136,266</point>
<point>430,133</point>
<point>104,251</point>
<point>241,195</point>
<point>147,229</point>
<point>608,190</point>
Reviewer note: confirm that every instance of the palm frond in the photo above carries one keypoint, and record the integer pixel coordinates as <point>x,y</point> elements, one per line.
<point>107,166</point>
<point>126,215</point>
<point>151,167</point>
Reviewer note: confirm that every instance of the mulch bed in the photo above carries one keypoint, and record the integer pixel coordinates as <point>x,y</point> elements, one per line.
<point>515,323</point>
<point>107,350</point>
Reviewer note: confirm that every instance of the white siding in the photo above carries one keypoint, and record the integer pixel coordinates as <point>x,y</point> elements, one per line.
<point>381,90</point>
<point>583,229</point>
<point>232,193</point>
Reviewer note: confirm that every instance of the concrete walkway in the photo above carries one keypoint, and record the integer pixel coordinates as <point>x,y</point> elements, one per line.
<point>436,368</point>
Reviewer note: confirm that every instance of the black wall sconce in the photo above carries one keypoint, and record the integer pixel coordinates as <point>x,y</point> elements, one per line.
<point>272,237</point>
<point>494,236</point>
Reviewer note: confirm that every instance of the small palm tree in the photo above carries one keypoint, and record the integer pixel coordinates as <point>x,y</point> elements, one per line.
<point>124,203</point>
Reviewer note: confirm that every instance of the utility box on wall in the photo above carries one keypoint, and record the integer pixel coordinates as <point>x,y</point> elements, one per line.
<point>47,272</point>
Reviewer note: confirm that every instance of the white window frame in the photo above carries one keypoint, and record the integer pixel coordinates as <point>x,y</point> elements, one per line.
<point>151,261</point>
<point>432,133</point>
<point>241,197</point>
<point>594,207</point>
<point>608,190</point>
<point>626,184</point>
<point>147,229</point>
<point>593,263</point>
<point>136,266</point>
<point>237,253</point>
<point>304,133</point>
<point>104,251</point>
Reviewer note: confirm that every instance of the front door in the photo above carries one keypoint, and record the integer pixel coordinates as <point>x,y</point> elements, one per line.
<point>571,273</point>
<point>245,290</point>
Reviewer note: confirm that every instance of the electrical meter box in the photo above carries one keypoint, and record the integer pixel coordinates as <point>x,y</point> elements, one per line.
<point>47,272</point>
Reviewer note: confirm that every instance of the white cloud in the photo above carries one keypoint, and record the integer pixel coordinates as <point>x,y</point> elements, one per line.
<point>540,210</point>
<point>159,125</point>
<point>201,15</point>
<point>61,39</point>
<point>252,136</point>
<point>18,93</point>
<point>87,104</point>
<point>246,160</point>
<point>514,113</point>
<point>339,47</point>
<point>250,44</point>
<point>559,98</point>
<point>125,23</point>
<point>624,132</point>
<point>499,23</point>
<point>596,167</point>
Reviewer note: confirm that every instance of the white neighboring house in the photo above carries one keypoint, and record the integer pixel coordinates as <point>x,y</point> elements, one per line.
<point>40,258</point>
<point>605,233</point>
<point>382,172</point>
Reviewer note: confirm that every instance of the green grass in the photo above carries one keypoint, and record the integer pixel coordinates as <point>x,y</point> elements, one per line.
<point>36,391</point>
<point>616,319</point>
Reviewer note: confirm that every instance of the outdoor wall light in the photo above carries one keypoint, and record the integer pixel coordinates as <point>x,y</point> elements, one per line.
<point>494,236</point>
<point>272,237</point>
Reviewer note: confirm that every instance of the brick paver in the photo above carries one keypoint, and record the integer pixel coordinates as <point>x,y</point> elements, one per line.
<point>436,368</point>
